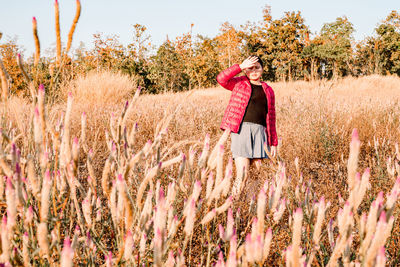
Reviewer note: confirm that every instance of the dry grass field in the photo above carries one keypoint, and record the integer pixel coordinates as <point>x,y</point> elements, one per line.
<point>105,176</point>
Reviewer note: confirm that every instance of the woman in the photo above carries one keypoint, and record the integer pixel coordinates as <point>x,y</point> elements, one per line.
<point>250,116</point>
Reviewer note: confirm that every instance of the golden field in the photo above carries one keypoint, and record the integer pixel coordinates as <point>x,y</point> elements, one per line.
<point>84,185</point>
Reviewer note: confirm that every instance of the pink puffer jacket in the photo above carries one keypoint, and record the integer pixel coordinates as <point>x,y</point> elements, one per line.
<point>241,92</point>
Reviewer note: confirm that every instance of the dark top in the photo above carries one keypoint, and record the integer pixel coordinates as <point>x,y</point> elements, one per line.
<point>257,109</point>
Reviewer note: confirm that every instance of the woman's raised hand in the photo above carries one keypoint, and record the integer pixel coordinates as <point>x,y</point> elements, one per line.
<point>248,62</point>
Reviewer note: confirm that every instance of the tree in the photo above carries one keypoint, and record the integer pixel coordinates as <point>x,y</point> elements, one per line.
<point>166,71</point>
<point>108,51</point>
<point>229,45</point>
<point>141,43</point>
<point>284,40</point>
<point>365,57</point>
<point>336,45</point>
<point>311,59</point>
<point>388,44</point>
<point>8,54</point>
<point>205,61</point>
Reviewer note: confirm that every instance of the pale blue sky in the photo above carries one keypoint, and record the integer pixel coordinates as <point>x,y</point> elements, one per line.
<point>173,17</point>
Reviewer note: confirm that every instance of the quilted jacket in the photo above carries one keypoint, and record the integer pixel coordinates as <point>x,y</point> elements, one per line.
<point>241,92</point>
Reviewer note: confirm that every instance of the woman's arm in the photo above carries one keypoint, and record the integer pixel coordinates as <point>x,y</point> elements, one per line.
<point>272,118</point>
<point>227,78</point>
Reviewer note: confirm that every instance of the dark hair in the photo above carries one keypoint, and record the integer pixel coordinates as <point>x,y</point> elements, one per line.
<point>259,60</point>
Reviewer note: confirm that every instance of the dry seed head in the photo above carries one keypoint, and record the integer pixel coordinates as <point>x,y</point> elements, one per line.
<point>222,232</point>
<point>353,158</point>
<point>173,227</point>
<point>45,197</point>
<point>171,194</point>
<point>192,154</point>
<point>41,103</point>
<point>230,225</point>
<point>249,248</point>
<point>231,261</point>
<point>77,232</point>
<point>105,183</point>
<point>254,228</point>
<point>113,204</point>
<point>160,214</point>
<point>193,197</point>
<point>67,254</point>
<point>37,127</point>
<point>150,175</point>
<point>75,149</point>
<point>228,178</point>
<point>204,153</point>
<point>25,249</point>
<point>171,260</point>
<point>87,211</point>
<point>11,206</point>
<point>128,246</point>
<point>390,167</point>
<point>108,259</point>
<point>210,183</point>
<point>98,209</point>
<point>29,216</point>
<point>142,245</point>
<point>209,216</point>
<point>147,208</point>
<point>212,160</point>
<point>343,218</point>
<point>393,195</point>
<point>54,237</point>
<point>220,158</point>
<point>83,132</point>
<point>220,262</point>
<point>2,188</point>
<point>296,163</point>
<point>73,26</point>
<point>5,240</point>
<point>261,203</point>
<point>370,225</point>
<point>297,225</point>
<point>378,240</point>
<point>363,186</point>
<point>258,248</point>
<point>170,217</point>
<point>172,161</point>
<point>190,218</point>
<point>43,242</point>
<point>65,149</point>
<point>381,258</point>
<point>267,244</point>
<point>280,210</point>
<point>32,177</point>
<point>225,206</point>
<point>37,43</point>
<point>58,34</point>
<point>320,218</point>
<point>218,191</point>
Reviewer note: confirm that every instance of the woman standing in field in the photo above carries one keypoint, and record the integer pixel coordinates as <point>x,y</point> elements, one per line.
<point>250,116</point>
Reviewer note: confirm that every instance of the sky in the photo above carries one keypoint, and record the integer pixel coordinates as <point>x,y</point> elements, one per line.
<point>173,17</point>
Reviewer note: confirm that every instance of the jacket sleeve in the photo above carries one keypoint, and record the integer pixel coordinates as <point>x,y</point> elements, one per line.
<point>227,78</point>
<point>272,119</point>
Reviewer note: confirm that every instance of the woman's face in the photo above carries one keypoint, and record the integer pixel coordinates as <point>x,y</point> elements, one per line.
<point>254,73</point>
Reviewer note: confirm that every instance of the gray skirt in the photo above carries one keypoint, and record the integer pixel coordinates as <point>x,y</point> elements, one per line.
<point>249,141</point>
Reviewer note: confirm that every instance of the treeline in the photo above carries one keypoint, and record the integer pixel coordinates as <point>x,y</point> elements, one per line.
<point>289,50</point>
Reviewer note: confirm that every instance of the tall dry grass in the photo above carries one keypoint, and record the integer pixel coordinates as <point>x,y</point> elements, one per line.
<point>100,88</point>
<point>85,185</point>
